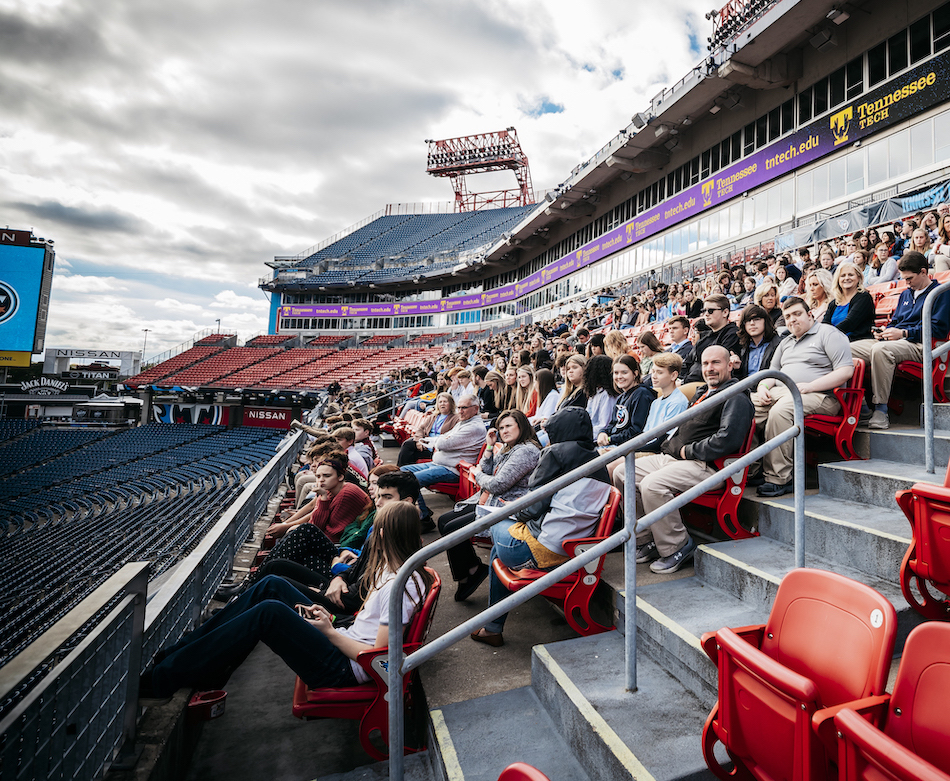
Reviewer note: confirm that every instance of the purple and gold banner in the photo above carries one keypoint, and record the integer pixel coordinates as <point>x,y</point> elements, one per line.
<point>904,96</point>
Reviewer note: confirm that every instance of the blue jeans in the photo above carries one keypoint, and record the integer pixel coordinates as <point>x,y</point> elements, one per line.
<point>204,659</point>
<point>513,553</point>
<point>428,474</point>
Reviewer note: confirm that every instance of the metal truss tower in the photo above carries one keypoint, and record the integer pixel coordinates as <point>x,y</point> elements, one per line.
<point>456,158</point>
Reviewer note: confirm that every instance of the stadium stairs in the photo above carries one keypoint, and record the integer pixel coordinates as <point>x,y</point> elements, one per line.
<point>576,722</point>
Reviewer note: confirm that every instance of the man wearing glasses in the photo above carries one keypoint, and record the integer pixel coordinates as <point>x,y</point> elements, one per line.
<point>461,443</point>
<point>718,331</point>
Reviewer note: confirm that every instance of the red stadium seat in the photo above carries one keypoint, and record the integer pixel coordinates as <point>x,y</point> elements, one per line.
<point>828,641</point>
<point>576,591</point>
<point>368,702</point>
<point>725,499</point>
<point>842,427</point>
<point>519,771</point>
<point>914,370</point>
<point>926,565</point>
<point>902,736</point>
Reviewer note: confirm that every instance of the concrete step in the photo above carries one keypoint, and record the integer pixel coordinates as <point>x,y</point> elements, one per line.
<point>476,739</point>
<point>651,733</point>
<point>863,537</point>
<point>903,444</point>
<point>752,570</point>
<point>671,619</point>
<point>873,481</point>
<point>941,417</point>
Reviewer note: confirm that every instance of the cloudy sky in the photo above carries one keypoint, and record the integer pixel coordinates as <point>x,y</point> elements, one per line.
<point>171,147</point>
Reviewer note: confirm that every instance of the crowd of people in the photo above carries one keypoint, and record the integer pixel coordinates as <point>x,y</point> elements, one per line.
<point>531,404</point>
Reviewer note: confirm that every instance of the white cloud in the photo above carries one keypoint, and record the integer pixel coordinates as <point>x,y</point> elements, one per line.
<point>171,148</point>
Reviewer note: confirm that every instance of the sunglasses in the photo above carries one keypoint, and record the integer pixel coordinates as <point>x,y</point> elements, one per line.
<point>710,311</point>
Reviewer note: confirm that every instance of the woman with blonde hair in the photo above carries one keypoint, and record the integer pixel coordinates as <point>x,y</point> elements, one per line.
<point>766,296</point>
<point>495,399</point>
<point>572,394</point>
<point>819,291</point>
<point>852,310</point>
<point>615,344</point>
<point>920,242</point>
<point>526,391</point>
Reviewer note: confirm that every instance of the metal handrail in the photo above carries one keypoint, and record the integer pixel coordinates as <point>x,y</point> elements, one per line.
<point>400,665</point>
<point>927,372</point>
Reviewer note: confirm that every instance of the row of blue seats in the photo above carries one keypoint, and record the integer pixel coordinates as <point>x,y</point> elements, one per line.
<point>50,571</point>
<point>239,449</point>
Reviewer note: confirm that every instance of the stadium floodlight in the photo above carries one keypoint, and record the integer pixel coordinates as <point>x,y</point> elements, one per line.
<point>661,129</point>
<point>640,120</point>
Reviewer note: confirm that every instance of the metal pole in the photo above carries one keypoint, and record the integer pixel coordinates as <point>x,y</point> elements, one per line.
<point>630,570</point>
<point>799,476</point>
<point>927,372</point>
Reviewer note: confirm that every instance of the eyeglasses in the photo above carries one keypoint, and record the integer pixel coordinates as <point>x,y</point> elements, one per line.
<point>708,311</point>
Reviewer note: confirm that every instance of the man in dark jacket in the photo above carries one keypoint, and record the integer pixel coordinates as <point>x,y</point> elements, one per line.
<point>717,330</point>
<point>686,459</point>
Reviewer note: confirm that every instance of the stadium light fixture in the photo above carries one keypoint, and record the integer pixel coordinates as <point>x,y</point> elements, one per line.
<point>660,130</point>
<point>640,120</point>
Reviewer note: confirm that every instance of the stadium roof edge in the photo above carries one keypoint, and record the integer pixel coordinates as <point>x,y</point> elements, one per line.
<point>781,28</point>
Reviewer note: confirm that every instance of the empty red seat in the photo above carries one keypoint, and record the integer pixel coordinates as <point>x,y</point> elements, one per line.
<point>903,736</point>
<point>828,640</point>
<point>926,565</point>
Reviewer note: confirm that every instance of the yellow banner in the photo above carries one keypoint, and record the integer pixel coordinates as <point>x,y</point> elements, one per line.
<point>11,358</point>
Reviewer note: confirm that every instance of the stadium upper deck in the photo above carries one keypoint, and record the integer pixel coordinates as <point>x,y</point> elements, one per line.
<point>802,111</point>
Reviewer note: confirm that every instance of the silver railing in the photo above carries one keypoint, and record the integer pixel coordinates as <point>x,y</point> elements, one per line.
<point>400,665</point>
<point>60,729</point>
<point>930,354</point>
<point>81,715</point>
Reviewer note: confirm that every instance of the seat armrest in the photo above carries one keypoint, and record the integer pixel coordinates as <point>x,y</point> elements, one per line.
<point>570,546</point>
<point>751,634</point>
<point>375,662</point>
<point>774,673</point>
<point>823,721</point>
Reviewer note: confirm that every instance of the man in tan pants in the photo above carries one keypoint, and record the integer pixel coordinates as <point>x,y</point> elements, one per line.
<point>685,459</point>
<point>818,359</point>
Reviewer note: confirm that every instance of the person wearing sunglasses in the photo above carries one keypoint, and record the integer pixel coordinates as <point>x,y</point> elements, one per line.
<point>714,328</point>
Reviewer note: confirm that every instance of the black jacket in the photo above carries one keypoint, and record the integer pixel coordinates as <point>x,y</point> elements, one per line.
<point>718,433</point>
<point>857,323</point>
<point>630,414</point>
<point>727,336</point>
<point>572,445</point>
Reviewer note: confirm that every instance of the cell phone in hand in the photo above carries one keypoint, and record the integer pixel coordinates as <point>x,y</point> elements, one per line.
<point>302,611</point>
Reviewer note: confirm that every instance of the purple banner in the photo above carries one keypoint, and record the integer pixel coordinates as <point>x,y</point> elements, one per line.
<point>902,97</point>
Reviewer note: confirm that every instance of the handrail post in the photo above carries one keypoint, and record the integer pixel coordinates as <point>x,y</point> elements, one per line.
<point>927,367</point>
<point>799,476</point>
<point>630,569</point>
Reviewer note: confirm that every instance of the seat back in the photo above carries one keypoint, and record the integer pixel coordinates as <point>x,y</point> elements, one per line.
<point>519,771</point>
<point>418,628</point>
<point>931,534</point>
<point>918,717</point>
<point>916,720</point>
<point>833,630</point>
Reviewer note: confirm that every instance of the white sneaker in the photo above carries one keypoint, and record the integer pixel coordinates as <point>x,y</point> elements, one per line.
<point>879,420</point>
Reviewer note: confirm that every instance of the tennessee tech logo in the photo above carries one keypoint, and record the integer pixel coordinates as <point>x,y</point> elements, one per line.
<point>708,192</point>
<point>395,309</point>
<point>343,310</point>
<point>442,305</point>
<point>841,124</point>
<point>9,302</point>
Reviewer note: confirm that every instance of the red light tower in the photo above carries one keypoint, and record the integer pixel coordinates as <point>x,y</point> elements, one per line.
<point>455,158</point>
